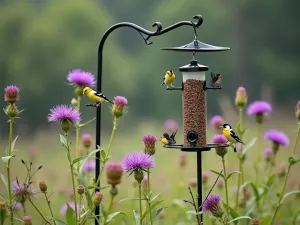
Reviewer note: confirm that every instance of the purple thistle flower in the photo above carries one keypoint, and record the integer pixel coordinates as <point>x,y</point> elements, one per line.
<point>11,94</point>
<point>278,137</point>
<point>216,121</point>
<point>17,205</point>
<point>149,142</point>
<point>81,78</point>
<point>119,107</point>
<point>171,125</point>
<point>89,166</point>
<point>220,139</point>
<point>259,107</point>
<point>212,204</point>
<point>61,113</point>
<point>64,208</point>
<point>22,191</point>
<point>137,161</point>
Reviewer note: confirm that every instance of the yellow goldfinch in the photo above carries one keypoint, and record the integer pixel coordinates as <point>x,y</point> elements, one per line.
<point>166,139</point>
<point>230,135</point>
<point>95,96</point>
<point>168,78</point>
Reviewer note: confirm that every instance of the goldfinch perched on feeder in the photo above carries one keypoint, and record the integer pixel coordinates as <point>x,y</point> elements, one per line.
<point>95,97</point>
<point>230,135</point>
<point>215,79</point>
<point>166,139</point>
<point>168,78</point>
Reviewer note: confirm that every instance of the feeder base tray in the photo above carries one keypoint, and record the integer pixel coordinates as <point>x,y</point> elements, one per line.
<point>203,148</point>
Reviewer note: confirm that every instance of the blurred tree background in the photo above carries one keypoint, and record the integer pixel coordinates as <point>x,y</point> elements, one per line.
<point>41,40</point>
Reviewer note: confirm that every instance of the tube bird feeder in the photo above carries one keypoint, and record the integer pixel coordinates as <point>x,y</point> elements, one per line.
<point>194,87</point>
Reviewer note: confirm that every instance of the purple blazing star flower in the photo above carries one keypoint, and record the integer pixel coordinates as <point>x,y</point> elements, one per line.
<point>89,166</point>
<point>259,107</point>
<point>220,139</point>
<point>64,208</point>
<point>278,138</point>
<point>149,142</point>
<point>212,204</point>
<point>11,94</point>
<point>137,161</point>
<point>81,78</point>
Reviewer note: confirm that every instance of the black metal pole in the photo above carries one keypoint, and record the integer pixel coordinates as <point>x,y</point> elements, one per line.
<point>199,182</point>
<point>159,31</point>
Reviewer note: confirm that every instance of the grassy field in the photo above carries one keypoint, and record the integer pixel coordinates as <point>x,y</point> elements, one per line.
<point>168,177</point>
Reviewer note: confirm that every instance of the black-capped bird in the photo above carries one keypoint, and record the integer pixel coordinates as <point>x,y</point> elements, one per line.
<point>168,78</point>
<point>215,79</point>
<point>95,96</point>
<point>230,135</point>
<point>166,139</point>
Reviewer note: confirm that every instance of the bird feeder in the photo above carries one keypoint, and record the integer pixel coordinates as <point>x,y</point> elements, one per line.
<point>194,87</point>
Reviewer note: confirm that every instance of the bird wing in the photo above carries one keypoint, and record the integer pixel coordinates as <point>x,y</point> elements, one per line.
<point>102,96</point>
<point>235,137</point>
<point>213,76</point>
<point>173,134</point>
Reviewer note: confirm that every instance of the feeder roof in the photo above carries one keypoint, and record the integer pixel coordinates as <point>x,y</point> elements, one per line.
<point>196,46</point>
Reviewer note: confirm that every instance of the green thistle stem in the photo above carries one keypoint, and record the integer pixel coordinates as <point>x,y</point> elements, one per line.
<point>285,179</point>
<point>48,203</point>
<point>226,186</point>
<point>78,137</point>
<point>80,199</point>
<point>240,158</point>
<point>72,175</point>
<point>149,190</point>
<point>109,208</point>
<point>11,121</point>
<point>140,201</point>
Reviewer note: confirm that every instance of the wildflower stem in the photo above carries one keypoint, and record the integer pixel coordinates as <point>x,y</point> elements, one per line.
<point>46,221</point>
<point>226,187</point>
<point>78,136</point>
<point>108,147</point>
<point>50,209</point>
<point>24,209</point>
<point>72,175</point>
<point>149,195</point>
<point>258,151</point>
<point>109,208</point>
<point>285,179</point>
<point>80,199</point>
<point>11,121</point>
<point>140,200</point>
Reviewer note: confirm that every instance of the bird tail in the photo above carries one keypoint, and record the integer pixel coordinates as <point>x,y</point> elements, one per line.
<point>110,101</point>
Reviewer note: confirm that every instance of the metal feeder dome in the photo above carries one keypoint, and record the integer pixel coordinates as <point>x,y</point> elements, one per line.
<point>196,46</point>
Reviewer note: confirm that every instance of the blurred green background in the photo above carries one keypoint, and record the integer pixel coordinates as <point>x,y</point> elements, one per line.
<point>40,41</point>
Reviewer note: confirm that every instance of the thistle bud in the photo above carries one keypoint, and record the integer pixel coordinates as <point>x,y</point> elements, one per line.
<point>80,189</point>
<point>79,91</point>
<point>114,172</point>
<point>268,154</point>
<point>114,191</point>
<point>220,139</point>
<point>74,102</point>
<point>12,111</point>
<point>2,204</point>
<point>193,182</point>
<point>11,94</point>
<point>298,111</point>
<point>43,186</point>
<point>149,142</point>
<point>86,140</point>
<point>65,125</point>
<point>241,97</point>
<point>138,176</point>
<point>119,106</point>
<point>98,198</point>
<point>27,220</point>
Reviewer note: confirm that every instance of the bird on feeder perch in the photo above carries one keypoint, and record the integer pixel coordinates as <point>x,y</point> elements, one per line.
<point>167,139</point>
<point>215,79</point>
<point>169,78</point>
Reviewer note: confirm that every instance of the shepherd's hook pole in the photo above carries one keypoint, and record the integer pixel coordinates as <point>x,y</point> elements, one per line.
<point>149,34</point>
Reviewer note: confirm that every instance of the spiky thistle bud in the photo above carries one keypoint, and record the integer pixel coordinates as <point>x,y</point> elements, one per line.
<point>98,198</point>
<point>255,221</point>
<point>80,189</point>
<point>119,106</point>
<point>27,220</point>
<point>74,102</point>
<point>114,172</point>
<point>86,140</point>
<point>11,94</point>
<point>241,97</point>
<point>149,143</point>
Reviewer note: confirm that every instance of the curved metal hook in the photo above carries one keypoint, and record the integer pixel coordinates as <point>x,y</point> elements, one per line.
<point>158,27</point>
<point>199,22</point>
